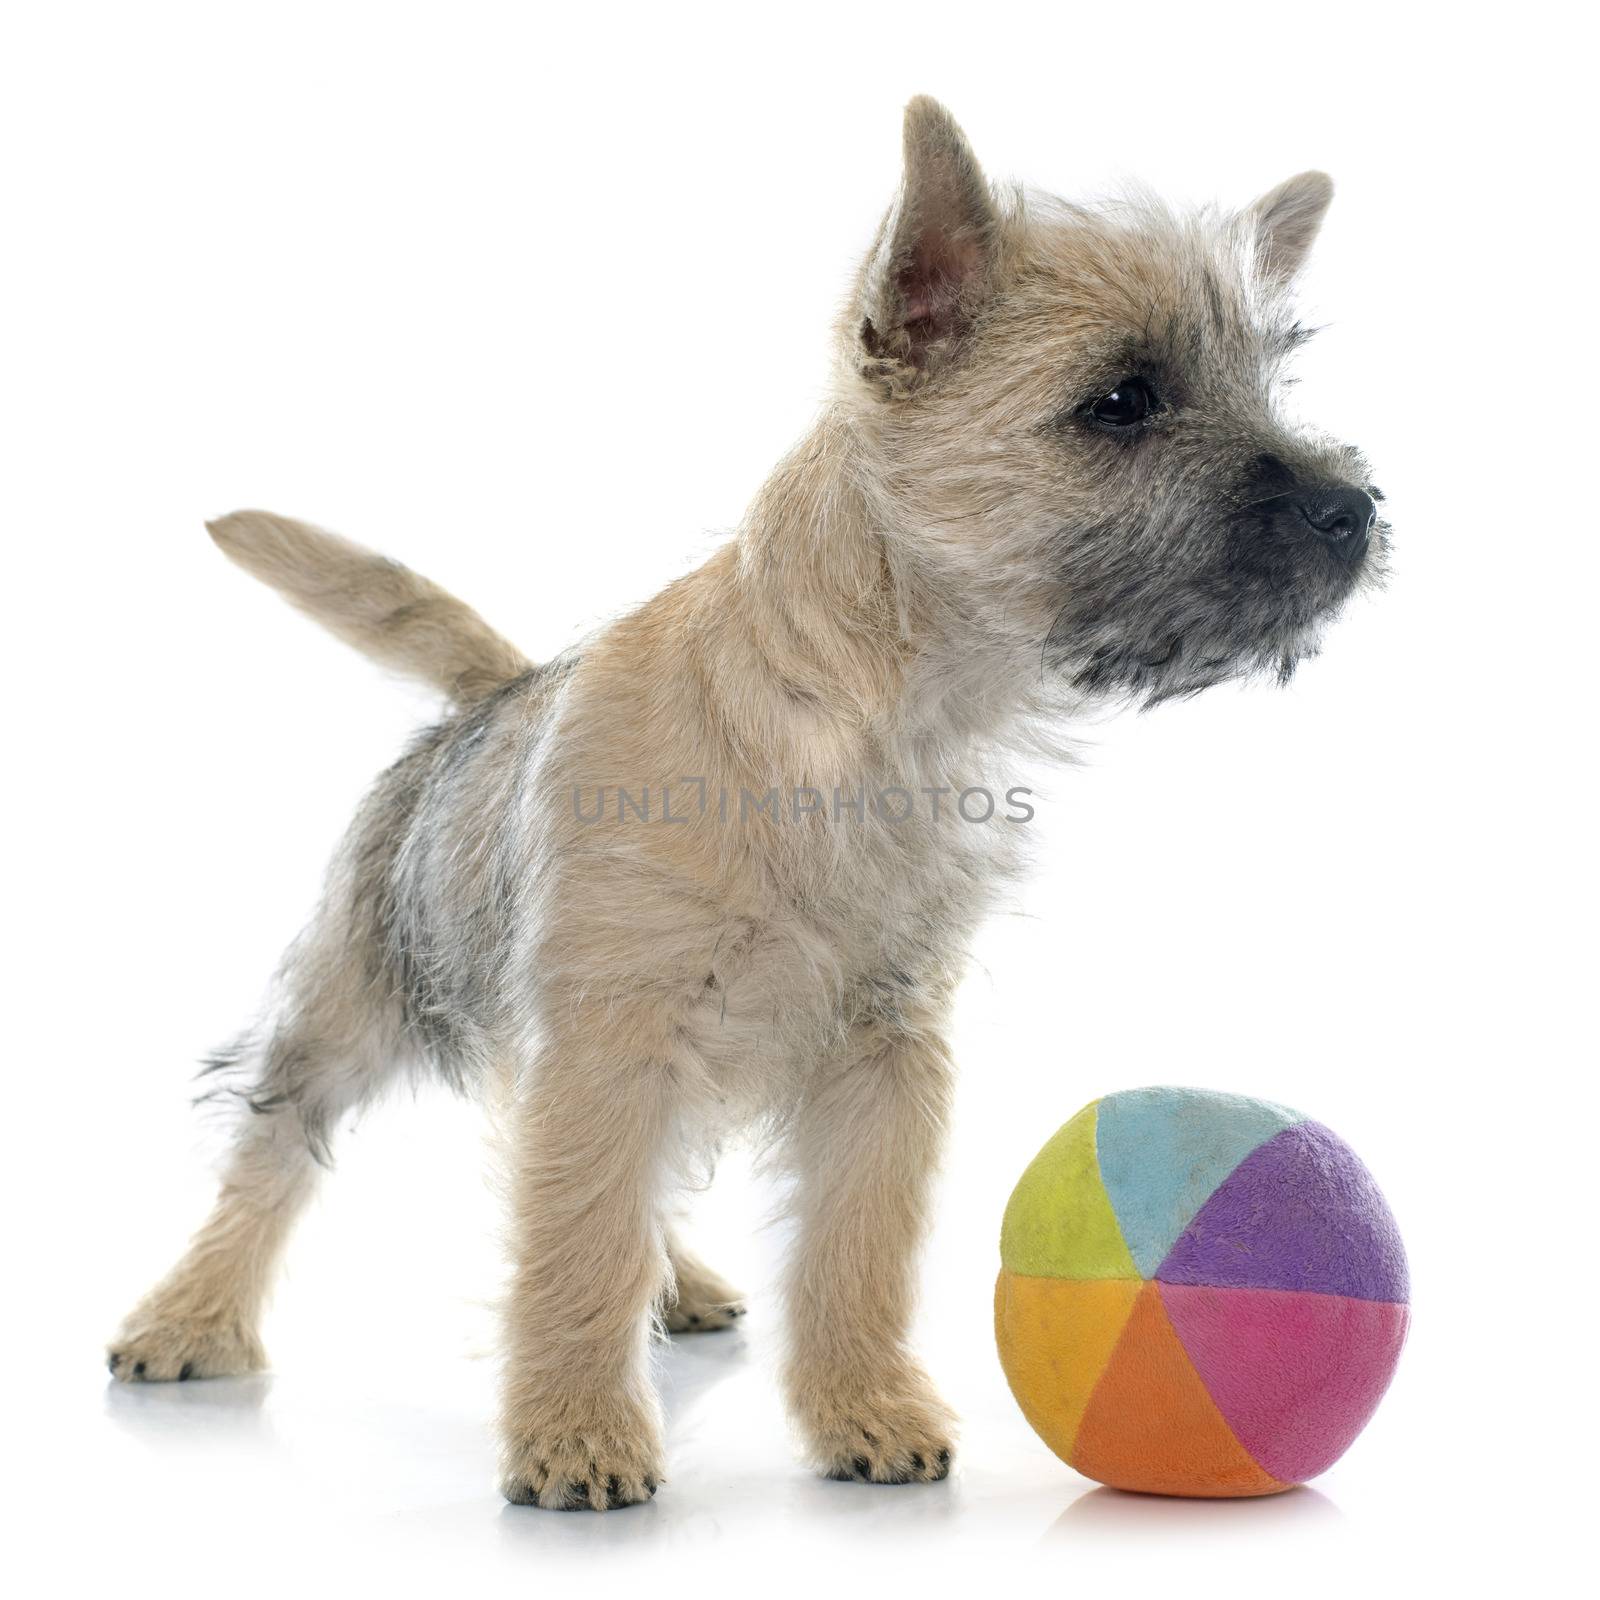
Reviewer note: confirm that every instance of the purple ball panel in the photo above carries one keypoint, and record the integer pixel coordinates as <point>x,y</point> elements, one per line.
<point>1299,1212</point>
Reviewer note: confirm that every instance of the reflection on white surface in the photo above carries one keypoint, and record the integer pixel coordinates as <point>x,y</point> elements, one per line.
<point>1110,1513</point>
<point>191,1412</point>
<point>361,1466</point>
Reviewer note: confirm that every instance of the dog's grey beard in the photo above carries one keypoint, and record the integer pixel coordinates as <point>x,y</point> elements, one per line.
<point>1175,651</point>
<point>1175,666</point>
<point>1123,635</point>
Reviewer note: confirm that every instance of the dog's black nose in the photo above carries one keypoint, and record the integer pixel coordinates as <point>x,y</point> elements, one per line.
<point>1340,517</point>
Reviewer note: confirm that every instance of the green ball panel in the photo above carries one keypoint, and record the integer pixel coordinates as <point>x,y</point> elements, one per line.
<point>1059,1222</point>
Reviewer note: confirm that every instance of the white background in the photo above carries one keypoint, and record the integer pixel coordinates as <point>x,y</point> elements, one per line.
<point>533,304</point>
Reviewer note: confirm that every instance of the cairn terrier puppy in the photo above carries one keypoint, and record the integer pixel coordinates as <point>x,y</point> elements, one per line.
<point>686,880</point>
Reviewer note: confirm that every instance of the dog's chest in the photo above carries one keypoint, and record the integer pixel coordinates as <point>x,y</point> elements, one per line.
<point>868,928</point>
<point>924,881</point>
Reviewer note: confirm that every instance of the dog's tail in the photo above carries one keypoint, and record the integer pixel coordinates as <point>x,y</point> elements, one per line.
<point>385,610</point>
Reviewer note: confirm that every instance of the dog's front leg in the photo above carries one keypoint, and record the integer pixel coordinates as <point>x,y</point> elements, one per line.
<point>589,1134</point>
<point>864,1146</point>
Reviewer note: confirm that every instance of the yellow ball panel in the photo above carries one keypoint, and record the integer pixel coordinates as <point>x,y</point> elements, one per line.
<point>1056,1336</point>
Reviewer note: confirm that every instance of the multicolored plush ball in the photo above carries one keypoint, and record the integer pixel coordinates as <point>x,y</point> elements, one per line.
<point>1200,1294</point>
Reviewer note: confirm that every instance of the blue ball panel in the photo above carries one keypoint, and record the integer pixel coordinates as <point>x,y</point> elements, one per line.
<point>1163,1151</point>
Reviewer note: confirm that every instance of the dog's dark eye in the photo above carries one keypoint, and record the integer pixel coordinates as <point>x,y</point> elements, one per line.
<point>1131,401</point>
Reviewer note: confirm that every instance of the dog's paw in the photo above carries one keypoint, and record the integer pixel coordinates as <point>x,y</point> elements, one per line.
<point>689,1316</point>
<point>905,1438</point>
<point>691,1313</point>
<point>581,1473</point>
<point>155,1350</point>
<point>704,1301</point>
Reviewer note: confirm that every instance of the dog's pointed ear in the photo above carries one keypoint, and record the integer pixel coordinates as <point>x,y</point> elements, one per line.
<point>1286,222</point>
<point>934,258</point>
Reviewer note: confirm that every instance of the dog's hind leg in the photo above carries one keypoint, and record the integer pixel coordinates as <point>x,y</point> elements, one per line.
<point>201,1320</point>
<point>333,1045</point>
<point>698,1300</point>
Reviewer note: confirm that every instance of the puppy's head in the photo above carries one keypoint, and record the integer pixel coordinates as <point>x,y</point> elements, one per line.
<point>1076,415</point>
